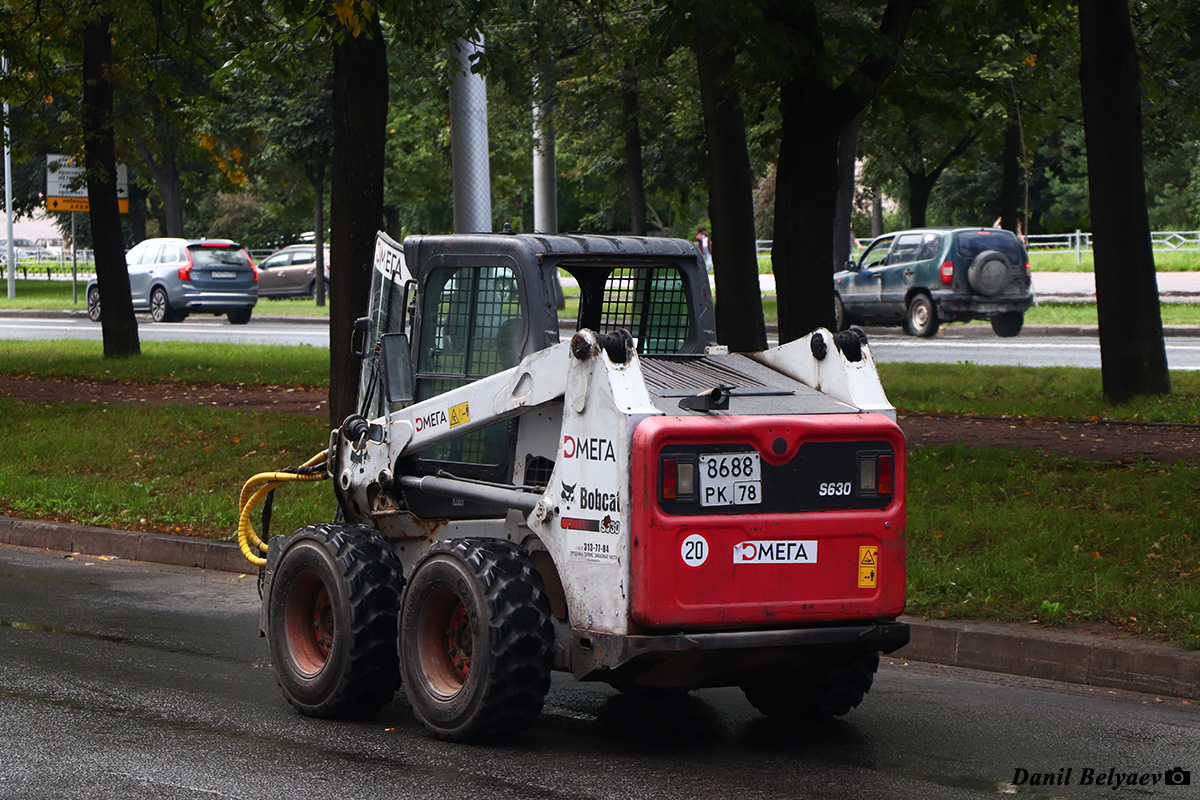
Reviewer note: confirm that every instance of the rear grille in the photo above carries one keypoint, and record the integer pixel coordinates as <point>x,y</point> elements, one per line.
<point>687,374</point>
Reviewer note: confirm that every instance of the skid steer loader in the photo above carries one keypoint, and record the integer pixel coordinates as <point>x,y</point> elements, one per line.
<point>606,492</point>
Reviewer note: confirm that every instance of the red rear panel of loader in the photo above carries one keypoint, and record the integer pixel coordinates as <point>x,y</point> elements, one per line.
<point>767,521</point>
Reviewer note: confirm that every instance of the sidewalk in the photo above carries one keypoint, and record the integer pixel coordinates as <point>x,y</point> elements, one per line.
<point>1122,664</point>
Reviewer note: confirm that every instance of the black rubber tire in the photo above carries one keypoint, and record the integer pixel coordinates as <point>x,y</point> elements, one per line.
<point>817,694</point>
<point>331,620</point>
<point>312,289</point>
<point>160,306</point>
<point>839,314</point>
<point>239,316</point>
<point>93,303</point>
<point>476,639</point>
<point>1008,324</point>
<point>990,273</point>
<point>921,317</point>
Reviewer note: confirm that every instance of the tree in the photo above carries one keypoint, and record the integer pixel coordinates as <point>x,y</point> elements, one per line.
<point>739,313</point>
<point>1133,357</point>
<point>100,161</point>
<point>360,93</point>
<point>818,98</point>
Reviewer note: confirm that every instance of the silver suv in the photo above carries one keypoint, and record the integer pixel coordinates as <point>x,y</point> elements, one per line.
<point>171,278</point>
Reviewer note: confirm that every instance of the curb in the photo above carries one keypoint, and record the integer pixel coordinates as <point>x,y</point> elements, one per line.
<point>1072,657</point>
<point>1125,664</point>
<point>157,548</point>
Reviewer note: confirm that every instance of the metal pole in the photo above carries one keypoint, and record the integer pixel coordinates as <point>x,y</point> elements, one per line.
<point>545,188</point>
<point>74,264</point>
<point>8,198</point>
<point>471,174</point>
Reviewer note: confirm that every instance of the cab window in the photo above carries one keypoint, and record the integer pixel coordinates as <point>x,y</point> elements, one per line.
<point>471,327</point>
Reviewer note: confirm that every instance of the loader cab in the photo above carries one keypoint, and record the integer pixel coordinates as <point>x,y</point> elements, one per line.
<point>473,305</point>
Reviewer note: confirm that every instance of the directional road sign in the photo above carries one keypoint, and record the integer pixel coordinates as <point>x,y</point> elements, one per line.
<point>66,185</point>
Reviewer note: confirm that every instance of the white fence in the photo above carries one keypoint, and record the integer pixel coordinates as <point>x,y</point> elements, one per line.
<point>1078,242</point>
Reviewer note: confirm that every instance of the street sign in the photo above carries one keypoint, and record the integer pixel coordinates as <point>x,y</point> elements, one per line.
<point>66,185</point>
<point>79,204</point>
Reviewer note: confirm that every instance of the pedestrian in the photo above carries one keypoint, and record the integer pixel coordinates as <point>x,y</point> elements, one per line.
<point>705,244</point>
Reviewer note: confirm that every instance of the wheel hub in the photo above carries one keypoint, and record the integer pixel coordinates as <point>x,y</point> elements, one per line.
<point>458,642</point>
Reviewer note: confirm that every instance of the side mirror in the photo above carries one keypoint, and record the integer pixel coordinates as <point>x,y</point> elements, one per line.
<point>852,265</point>
<point>358,337</point>
<point>396,363</point>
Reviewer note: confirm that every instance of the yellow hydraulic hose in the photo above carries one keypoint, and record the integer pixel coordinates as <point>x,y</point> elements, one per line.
<point>258,487</point>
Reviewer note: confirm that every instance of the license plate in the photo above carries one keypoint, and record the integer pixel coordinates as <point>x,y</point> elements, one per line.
<point>730,479</point>
<point>224,274</point>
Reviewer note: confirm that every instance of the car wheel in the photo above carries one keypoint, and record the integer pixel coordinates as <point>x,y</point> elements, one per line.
<point>1008,324</point>
<point>921,319</point>
<point>829,691</point>
<point>239,316</point>
<point>93,303</point>
<point>331,621</point>
<point>839,314</point>
<point>160,306</point>
<point>476,640</point>
<point>312,290</point>
<point>990,273</point>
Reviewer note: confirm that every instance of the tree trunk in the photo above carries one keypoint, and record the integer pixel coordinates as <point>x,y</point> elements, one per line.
<point>805,200</point>
<point>843,223</point>
<point>360,93</point>
<point>99,155</point>
<point>633,154</point>
<point>1010,182</point>
<point>739,313</point>
<point>920,187</point>
<point>170,187</point>
<point>1133,358</point>
<point>813,114</point>
<point>137,208</point>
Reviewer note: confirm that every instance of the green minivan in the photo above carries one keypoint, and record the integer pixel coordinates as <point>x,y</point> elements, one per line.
<point>922,278</point>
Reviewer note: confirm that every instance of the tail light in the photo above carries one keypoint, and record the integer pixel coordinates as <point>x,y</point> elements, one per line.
<point>250,261</point>
<point>678,478</point>
<point>887,473</point>
<point>948,271</point>
<point>670,479</point>
<point>1028,274</point>
<point>185,272</point>
<point>877,474</point>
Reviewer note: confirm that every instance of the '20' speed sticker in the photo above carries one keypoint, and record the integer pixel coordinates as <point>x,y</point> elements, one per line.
<point>694,550</point>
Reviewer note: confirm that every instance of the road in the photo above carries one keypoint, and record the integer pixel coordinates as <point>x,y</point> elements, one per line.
<point>957,343</point>
<point>210,329</point>
<point>129,681</point>
<point>954,345</point>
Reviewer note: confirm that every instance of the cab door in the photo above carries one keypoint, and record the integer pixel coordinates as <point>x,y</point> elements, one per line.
<point>902,271</point>
<point>470,325</point>
<point>859,287</point>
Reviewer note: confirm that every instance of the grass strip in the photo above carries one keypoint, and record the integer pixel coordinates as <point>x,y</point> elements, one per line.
<point>1021,536</point>
<point>171,362</point>
<point>168,469</point>
<point>1064,392</point>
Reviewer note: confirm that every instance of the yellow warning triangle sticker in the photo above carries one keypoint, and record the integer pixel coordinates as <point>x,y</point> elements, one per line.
<point>867,557</point>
